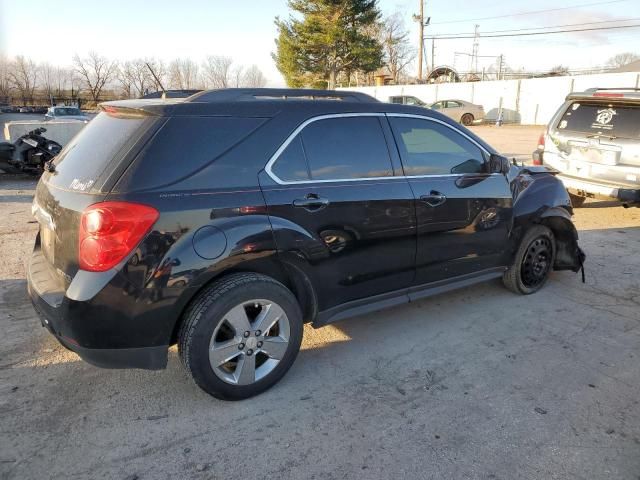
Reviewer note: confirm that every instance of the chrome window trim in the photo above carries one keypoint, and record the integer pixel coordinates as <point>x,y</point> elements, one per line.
<point>299,128</point>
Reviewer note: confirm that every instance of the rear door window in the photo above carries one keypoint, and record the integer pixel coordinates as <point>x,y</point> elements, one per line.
<point>346,148</point>
<point>601,119</point>
<point>104,140</point>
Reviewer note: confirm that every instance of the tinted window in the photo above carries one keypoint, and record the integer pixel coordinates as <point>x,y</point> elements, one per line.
<point>183,146</point>
<point>430,148</point>
<point>89,153</point>
<point>437,106</point>
<point>291,165</point>
<point>350,147</point>
<point>598,118</point>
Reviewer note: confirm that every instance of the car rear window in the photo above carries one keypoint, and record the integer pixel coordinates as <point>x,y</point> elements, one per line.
<point>103,140</point>
<point>600,118</point>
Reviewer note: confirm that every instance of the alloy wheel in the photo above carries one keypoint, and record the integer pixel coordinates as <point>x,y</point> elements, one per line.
<point>249,342</point>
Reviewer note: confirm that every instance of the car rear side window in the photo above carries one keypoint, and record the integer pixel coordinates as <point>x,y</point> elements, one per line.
<point>430,148</point>
<point>184,145</point>
<point>91,151</point>
<point>346,148</point>
<point>601,119</point>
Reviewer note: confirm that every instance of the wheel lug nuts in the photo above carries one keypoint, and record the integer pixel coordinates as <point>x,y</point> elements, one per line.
<point>241,346</point>
<point>258,332</point>
<point>259,344</point>
<point>247,333</point>
<point>249,352</point>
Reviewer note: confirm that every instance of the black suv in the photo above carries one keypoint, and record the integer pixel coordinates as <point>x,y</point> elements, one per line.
<point>225,221</point>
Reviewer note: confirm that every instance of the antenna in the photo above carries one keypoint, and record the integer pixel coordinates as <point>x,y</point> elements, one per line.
<point>164,92</point>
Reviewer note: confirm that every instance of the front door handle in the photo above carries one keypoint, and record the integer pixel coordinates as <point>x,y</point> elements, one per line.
<point>311,202</point>
<point>434,199</point>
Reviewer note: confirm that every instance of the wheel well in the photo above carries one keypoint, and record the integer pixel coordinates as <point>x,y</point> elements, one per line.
<point>566,239</point>
<point>290,276</point>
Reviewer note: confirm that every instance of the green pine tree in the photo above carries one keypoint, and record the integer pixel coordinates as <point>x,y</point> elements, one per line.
<point>330,37</point>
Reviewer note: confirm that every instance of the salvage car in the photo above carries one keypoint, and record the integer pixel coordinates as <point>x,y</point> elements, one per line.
<point>593,140</point>
<point>66,113</point>
<point>223,222</point>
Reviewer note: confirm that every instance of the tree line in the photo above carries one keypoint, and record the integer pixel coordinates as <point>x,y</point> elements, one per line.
<point>96,77</point>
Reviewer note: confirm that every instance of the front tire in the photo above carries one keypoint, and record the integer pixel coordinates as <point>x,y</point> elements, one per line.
<point>533,261</point>
<point>240,336</point>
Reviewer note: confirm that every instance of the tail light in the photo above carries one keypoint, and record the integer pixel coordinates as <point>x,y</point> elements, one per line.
<point>109,231</point>
<point>537,158</point>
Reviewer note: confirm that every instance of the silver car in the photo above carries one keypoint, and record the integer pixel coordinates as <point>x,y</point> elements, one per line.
<point>593,140</point>
<point>66,113</point>
<point>460,110</point>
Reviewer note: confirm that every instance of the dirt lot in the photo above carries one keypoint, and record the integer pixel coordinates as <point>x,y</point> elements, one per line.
<point>475,384</point>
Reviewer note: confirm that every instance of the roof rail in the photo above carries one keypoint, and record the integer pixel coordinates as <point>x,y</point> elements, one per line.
<point>249,94</point>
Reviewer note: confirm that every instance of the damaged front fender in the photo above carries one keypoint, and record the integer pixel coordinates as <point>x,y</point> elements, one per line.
<point>540,198</point>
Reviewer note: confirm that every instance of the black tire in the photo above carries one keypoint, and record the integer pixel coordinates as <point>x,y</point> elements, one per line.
<point>576,200</point>
<point>467,119</point>
<point>533,261</point>
<point>207,312</point>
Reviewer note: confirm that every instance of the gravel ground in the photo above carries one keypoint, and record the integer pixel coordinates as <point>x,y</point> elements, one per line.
<point>474,384</point>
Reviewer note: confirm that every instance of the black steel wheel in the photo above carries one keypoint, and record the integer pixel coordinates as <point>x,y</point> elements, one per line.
<point>533,261</point>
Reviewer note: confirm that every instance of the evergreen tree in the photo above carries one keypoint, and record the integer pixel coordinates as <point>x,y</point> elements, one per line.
<point>331,37</point>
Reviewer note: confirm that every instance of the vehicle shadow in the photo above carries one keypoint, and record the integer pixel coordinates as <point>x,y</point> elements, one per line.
<point>601,204</point>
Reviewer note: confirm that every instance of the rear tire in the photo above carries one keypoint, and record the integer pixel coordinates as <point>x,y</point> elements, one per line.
<point>240,336</point>
<point>576,200</point>
<point>533,261</point>
<point>467,119</point>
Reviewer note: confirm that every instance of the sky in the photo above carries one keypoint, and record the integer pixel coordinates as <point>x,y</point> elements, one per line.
<point>245,30</point>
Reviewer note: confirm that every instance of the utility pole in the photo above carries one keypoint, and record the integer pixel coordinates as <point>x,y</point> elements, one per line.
<point>474,54</point>
<point>500,68</point>
<point>420,19</point>
<point>433,52</point>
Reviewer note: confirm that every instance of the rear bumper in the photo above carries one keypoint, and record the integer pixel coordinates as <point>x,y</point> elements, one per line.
<point>60,316</point>
<point>601,190</point>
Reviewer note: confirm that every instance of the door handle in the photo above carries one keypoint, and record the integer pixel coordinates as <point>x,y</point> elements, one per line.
<point>434,199</point>
<point>311,202</point>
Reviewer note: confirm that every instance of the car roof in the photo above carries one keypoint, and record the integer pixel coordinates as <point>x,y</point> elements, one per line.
<point>263,102</point>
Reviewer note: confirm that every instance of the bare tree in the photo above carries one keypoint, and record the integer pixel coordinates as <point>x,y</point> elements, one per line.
<point>622,59</point>
<point>398,53</point>
<point>23,75</point>
<point>253,78</point>
<point>217,71</point>
<point>183,74</point>
<point>96,71</point>
<point>135,77</point>
<point>5,85</point>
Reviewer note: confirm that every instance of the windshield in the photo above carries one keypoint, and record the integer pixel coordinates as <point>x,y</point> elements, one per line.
<point>61,112</point>
<point>601,119</point>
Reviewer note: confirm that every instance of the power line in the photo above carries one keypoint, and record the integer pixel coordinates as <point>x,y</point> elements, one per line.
<point>437,35</point>
<point>539,33</point>
<point>531,12</point>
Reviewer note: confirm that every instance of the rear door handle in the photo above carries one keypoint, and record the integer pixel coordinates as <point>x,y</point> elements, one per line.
<point>311,202</point>
<point>434,199</point>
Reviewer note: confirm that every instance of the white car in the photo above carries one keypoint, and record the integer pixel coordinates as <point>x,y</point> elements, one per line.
<point>66,113</point>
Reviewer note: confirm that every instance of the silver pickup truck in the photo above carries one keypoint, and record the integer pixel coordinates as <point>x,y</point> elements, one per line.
<point>593,140</point>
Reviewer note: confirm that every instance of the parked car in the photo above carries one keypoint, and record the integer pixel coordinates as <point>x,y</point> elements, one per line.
<point>407,100</point>
<point>459,110</point>
<point>25,110</point>
<point>66,113</point>
<point>593,140</point>
<point>224,222</point>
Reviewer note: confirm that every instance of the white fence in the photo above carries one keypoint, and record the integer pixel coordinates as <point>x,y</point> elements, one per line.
<point>531,101</point>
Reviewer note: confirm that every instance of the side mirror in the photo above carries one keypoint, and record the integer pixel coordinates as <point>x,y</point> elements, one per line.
<point>499,164</point>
